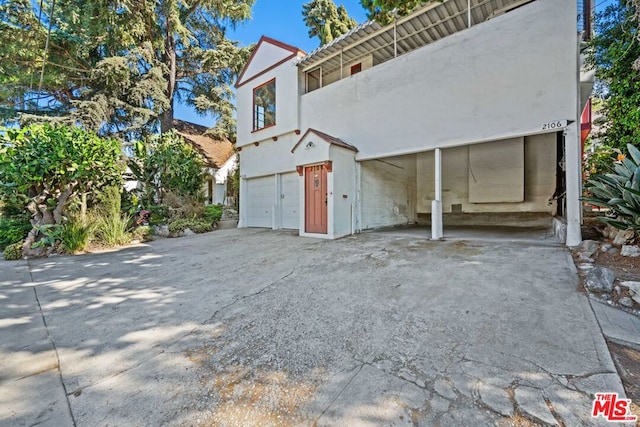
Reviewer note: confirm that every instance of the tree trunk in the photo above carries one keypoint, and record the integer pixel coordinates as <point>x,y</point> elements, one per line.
<point>170,60</point>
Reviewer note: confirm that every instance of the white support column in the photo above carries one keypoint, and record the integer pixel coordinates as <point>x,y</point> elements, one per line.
<point>242,220</point>
<point>573,175</point>
<point>436,205</point>
<point>277,204</point>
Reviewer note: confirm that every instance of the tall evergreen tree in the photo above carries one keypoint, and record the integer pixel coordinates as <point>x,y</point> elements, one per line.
<point>119,66</point>
<point>326,21</point>
<point>384,11</point>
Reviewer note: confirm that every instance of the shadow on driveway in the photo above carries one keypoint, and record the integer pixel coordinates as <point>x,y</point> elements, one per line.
<point>248,327</point>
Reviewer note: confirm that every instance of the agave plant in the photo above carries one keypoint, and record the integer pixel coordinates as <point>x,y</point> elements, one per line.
<point>619,191</point>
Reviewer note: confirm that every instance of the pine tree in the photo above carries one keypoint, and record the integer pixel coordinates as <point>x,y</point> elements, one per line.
<point>325,20</point>
<point>119,66</point>
<point>383,11</point>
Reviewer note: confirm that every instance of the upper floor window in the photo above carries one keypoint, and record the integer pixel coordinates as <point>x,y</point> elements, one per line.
<point>264,105</point>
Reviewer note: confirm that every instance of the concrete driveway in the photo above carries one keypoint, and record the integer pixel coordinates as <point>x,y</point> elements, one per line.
<point>255,327</point>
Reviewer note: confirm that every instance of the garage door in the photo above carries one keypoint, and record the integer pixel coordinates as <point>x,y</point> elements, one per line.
<point>260,200</point>
<point>290,200</point>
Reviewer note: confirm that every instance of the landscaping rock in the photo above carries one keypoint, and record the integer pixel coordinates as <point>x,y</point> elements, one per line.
<point>606,247</point>
<point>588,248</point>
<point>600,279</point>
<point>161,230</point>
<point>634,289</point>
<point>630,250</point>
<point>188,232</point>
<point>585,258</point>
<point>626,301</point>
<point>622,237</point>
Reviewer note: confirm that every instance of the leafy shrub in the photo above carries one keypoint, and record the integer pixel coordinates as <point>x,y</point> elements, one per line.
<point>212,213</point>
<point>13,230</point>
<point>159,214</point>
<point>50,235</point>
<point>619,191</point>
<point>13,252</point>
<point>76,235</point>
<point>142,233</point>
<point>111,230</point>
<point>195,225</point>
<point>186,207</point>
<point>110,224</point>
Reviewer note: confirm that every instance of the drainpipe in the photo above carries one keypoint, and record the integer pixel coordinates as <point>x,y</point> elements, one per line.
<point>468,13</point>
<point>436,205</point>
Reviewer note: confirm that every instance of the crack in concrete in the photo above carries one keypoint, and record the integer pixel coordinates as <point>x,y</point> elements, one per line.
<point>53,344</point>
<point>243,297</point>
<point>553,411</point>
<point>359,369</point>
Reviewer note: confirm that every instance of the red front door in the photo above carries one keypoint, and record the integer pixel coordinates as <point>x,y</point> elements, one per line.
<point>315,196</point>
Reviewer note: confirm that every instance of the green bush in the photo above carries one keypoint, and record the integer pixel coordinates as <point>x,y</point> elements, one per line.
<point>13,252</point>
<point>111,230</point>
<point>51,235</point>
<point>159,214</point>
<point>212,213</point>
<point>76,235</point>
<point>619,191</point>
<point>142,233</point>
<point>195,225</point>
<point>13,230</point>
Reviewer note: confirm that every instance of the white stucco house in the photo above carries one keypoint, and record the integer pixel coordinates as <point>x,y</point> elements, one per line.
<point>465,108</point>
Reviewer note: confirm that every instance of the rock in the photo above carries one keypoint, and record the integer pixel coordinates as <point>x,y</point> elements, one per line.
<point>626,301</point>
<point>622,237</point>
<point>588,248</point>
<point>600,279</point>
<point>161,230</point>
<point>630,251</point>
<point>583,257</point>
<point>585,266</point>
<point>617,289</point>
<point>188,232</point>
<point>613,250</point>
<point>606,247</point>
<point>634,289</point>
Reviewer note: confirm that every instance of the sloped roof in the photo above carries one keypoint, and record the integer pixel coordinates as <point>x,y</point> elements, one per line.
<point>287,52</point>
<point>327,138</point>
<point>215,152</point>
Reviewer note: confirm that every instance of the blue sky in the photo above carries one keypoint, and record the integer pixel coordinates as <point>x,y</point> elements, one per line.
<point>282,20</point>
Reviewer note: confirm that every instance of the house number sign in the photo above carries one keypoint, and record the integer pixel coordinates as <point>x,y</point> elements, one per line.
<point>556,124</point>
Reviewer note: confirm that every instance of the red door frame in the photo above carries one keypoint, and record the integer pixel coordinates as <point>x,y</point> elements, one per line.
<point>315,199</point>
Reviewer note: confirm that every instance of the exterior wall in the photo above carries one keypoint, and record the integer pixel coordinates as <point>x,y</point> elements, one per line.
<point>227,167</point>
<point>268,157</point>
<point>388,192</point>
<point>287,89</point>
<point>268,55</point>
<point>344,184</point>
<point>367,62</point>
<point>539,179</point>
<point>502,78</point>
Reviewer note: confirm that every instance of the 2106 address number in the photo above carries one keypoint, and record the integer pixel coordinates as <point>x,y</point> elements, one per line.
<point>552,125</point>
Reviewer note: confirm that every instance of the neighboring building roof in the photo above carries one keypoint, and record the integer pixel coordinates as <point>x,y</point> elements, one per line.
<point>215,152</point>
<point>327,138</point>
<point>425,25</point>
<point>287,53</point>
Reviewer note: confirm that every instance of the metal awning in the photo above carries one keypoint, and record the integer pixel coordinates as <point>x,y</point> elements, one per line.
<point>425,25</point>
